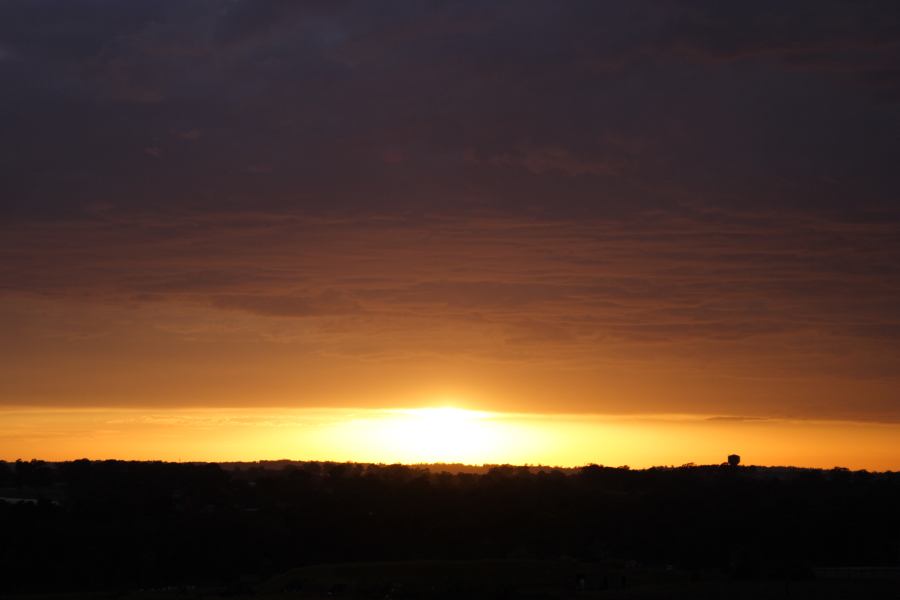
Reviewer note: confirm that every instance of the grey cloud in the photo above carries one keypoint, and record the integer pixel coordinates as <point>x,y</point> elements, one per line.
<point>603,116</point>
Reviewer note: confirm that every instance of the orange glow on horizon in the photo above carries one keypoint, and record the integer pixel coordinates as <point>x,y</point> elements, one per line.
<point>442,434</point>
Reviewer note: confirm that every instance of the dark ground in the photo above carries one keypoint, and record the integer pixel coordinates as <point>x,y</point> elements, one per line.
<point>316,530</point>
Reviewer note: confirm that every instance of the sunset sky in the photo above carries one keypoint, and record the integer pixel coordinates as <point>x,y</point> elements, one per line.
<point>643,232</point>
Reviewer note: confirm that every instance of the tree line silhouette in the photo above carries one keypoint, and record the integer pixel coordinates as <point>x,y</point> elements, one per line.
<point>93,525</point>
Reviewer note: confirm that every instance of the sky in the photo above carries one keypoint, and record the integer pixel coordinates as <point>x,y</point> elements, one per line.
<point>647,212</point>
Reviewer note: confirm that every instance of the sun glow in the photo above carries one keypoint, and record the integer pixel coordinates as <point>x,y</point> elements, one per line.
<point>444,434</point>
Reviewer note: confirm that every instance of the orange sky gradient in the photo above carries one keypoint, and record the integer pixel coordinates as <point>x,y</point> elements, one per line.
<point>783,378</point>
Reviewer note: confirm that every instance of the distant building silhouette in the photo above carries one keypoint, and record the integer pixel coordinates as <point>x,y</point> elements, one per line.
<point>734,460</point>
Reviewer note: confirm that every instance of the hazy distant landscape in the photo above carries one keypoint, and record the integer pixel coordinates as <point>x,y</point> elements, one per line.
<point>315,530</point>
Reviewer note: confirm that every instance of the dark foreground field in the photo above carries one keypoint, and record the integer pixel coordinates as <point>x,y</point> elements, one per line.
<point>511,579</point>
<point>322,530</point>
